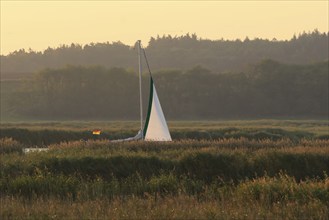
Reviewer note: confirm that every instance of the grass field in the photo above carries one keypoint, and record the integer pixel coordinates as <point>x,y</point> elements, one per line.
<point>265,169</point>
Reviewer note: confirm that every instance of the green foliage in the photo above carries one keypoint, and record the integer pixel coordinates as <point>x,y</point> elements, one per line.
<point>116,166</point>
<point>297,165</point>
<point>41,185</point>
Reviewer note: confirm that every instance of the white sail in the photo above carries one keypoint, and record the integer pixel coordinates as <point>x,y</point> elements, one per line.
<point>156,128</point>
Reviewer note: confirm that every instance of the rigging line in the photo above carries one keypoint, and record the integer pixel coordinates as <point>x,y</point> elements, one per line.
<point>147,63</point>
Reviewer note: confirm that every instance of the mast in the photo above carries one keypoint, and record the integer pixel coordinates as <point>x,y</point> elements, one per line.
<point>140,85</point>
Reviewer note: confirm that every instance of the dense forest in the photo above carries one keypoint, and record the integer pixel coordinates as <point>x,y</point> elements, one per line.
<point>195,78</point>
<point>268,89</point>
<point>172,52</point>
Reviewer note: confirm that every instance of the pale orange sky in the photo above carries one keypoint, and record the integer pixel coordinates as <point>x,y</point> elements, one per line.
<point>39,24</point>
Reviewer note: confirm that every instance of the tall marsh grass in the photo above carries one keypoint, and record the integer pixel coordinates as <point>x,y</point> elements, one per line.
<point>165,196</point>
<point>9,145</point>
<point>225,178</point>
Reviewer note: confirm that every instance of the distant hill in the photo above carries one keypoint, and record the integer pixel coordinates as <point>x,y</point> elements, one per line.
<point>169,52</point>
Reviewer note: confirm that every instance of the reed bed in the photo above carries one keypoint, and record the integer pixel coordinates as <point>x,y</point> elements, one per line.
<point>224,178</point>
<point>280,197</point>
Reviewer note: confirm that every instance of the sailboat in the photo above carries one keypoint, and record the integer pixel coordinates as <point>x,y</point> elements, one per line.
<point>155,127</point>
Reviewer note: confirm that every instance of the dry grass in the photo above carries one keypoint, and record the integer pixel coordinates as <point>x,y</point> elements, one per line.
<point>177,207</point>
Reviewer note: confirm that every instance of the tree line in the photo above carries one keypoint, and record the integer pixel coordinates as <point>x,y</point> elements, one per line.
<point>175,52</point>
<point>266,90</point>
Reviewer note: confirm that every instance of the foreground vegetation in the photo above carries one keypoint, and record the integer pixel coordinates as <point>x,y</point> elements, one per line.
<point>223,178</point>
<point>262,198</point>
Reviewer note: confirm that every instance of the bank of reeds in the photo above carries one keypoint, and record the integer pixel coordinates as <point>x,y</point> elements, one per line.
<point>229,159</point>
<point>230,178</point>
<point>166,196</point>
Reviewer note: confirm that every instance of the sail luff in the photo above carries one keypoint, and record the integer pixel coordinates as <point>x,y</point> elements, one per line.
<point>149,106</point>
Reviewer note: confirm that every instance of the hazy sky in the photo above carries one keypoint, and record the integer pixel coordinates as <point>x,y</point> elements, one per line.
<point>39,24</point>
